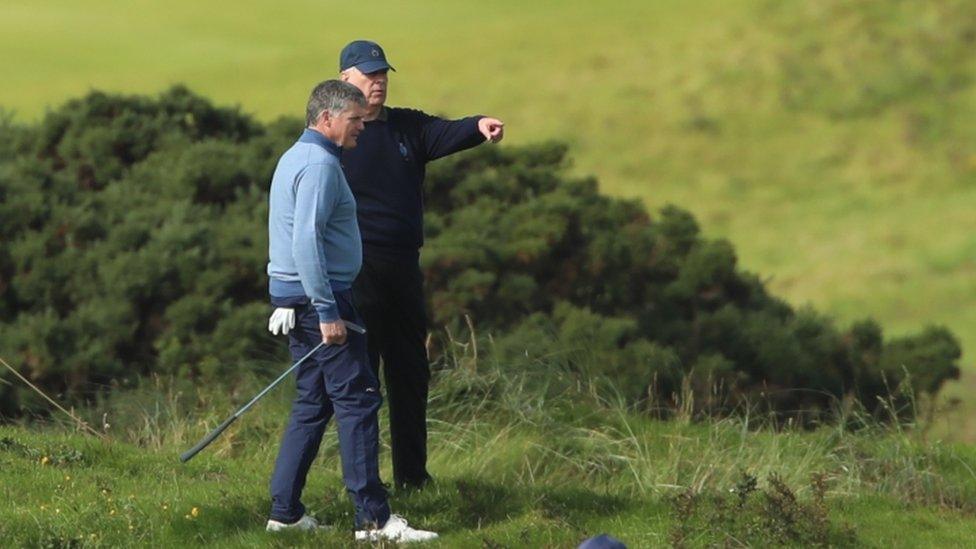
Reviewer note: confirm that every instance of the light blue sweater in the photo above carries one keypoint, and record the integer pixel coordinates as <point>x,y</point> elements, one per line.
<point>315,245</point>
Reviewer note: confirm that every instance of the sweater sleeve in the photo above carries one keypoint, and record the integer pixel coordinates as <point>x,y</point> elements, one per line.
<point>315,199</point>
<point>442,137</point>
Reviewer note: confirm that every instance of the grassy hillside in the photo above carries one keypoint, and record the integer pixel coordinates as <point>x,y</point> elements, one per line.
<point>833,144</point>
<point>517,463</point>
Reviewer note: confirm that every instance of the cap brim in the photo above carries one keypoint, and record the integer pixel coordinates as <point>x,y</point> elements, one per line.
<point>374,66</point>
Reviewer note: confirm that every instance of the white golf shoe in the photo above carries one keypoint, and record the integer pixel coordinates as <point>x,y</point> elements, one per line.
<point>397,530</point>
<point>306,524</point>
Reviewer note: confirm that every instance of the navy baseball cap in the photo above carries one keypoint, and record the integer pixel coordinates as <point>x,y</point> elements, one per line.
<point>602,541</point>
<point>366,56</point>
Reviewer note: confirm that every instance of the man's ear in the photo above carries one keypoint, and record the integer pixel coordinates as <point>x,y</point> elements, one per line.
<point>344,76</point>
<point>325,118</point>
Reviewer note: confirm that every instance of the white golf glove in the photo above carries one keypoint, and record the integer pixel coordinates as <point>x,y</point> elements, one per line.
<point>281,320</point>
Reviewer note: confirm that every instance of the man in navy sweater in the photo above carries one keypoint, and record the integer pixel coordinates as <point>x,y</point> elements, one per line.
<point>386,174</point>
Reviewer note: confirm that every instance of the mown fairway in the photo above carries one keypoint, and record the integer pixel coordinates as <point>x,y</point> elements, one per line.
<point>835,146</point>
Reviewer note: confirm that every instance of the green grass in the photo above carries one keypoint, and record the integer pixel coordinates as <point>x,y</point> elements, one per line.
<point>666,101</point>
<point>858,213</point>
<point>683,102</point>
<point>517,463</point>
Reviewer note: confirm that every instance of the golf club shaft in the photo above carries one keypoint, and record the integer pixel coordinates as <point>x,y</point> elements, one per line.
<point>186,456</point>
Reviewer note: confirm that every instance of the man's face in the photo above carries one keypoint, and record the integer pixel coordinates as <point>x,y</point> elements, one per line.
<point>373,85</point>
<point>346,126</point>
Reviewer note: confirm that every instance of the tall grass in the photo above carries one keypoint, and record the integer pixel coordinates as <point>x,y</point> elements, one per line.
<point>558,429</point>
<point>540,458</point>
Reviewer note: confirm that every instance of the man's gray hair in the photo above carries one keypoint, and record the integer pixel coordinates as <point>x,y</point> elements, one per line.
<point>333,96</point>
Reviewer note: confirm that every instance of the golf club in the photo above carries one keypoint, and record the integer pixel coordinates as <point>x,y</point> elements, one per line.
<point>186,456</point>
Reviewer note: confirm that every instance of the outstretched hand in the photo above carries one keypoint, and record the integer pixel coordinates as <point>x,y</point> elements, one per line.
<point>492,128</point>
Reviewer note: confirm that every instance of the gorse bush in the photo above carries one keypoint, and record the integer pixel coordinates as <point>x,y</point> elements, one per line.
<point>134,241</point>
<point>748,515</point>
<point>568,276</point>
<point>130,228</point>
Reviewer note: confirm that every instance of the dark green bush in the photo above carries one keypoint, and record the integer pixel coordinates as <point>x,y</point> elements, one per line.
<point>594,285</point>
<point>134,241</point>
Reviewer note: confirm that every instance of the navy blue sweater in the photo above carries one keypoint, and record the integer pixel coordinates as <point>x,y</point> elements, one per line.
<point>386,173</point>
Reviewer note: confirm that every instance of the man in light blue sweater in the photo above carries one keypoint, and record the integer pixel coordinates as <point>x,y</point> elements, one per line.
<point>315,254</point>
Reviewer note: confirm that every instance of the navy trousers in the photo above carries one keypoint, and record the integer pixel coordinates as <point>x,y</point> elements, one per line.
<point>390,294</point>
<point>337,380</point>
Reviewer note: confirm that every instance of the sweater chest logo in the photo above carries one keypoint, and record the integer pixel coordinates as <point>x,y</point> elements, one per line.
<point>403,150</point>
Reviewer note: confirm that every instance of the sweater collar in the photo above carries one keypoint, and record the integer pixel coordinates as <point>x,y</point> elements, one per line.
<point>316,138</point>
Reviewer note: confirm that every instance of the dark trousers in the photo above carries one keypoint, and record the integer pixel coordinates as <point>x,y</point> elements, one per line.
<point>389,292</point>
<point>337,380</point>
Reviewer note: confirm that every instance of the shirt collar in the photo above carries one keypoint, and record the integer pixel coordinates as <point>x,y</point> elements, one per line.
<point>316,138</point>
